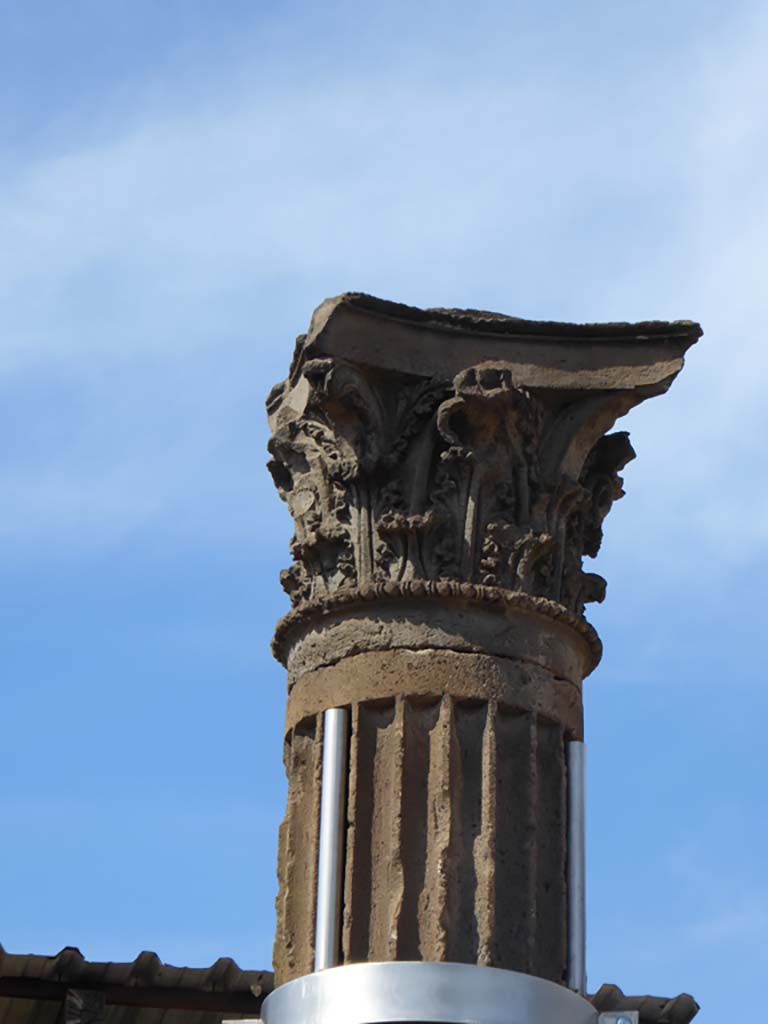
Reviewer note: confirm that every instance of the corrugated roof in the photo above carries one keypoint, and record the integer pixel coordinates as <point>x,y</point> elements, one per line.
<point>148,991</point>
<point>653,1009</point>
<point>145,991</point>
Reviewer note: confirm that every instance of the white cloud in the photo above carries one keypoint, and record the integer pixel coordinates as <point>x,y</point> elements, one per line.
<point>217,226</point>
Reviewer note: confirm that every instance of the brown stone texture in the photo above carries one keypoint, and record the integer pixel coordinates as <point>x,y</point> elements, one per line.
<point>447,472</point>
<point>455,844</point>
<point>456,830</point>
<point>455,847</point>
<point>378,676</point>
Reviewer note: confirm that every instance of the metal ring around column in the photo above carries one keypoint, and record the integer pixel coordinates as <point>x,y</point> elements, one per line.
<point>330,854</point>
<point>577,909</point>
<point>435,993</point>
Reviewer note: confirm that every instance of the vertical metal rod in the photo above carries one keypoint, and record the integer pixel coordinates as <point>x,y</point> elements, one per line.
<point>332,819</point>
<point>577,907</point>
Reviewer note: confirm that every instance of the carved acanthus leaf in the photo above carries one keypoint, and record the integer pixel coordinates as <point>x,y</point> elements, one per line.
<point>480,481</point>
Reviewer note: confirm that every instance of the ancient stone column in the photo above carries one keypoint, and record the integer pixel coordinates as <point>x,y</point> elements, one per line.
<point>447,471</point>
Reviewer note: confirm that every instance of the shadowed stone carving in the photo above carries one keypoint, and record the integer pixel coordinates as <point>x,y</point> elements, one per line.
<point>477,480</point>
<point>447,473</point>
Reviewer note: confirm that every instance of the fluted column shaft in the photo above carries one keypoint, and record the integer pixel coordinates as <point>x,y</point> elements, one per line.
<point>456,808</point>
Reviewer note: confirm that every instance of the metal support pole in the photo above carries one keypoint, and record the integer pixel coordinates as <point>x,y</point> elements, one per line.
<point>577,909</point>
<point>332,818</point>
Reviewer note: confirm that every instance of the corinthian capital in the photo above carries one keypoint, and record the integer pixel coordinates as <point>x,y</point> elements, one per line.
<point>431,451</point>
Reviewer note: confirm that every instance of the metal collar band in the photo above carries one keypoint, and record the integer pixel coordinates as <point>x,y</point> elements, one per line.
<point>432,993</point>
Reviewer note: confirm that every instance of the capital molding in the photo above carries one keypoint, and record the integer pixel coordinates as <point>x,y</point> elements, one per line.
<point>421,451</point>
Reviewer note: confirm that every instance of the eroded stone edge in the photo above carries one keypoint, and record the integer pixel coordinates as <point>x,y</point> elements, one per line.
<point>495,598</point>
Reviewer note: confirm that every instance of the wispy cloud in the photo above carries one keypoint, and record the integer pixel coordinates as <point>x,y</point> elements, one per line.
<point>213,229</point>
<point>743,924</point>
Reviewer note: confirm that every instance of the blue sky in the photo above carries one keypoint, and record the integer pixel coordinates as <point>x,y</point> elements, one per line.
<point>180,184</point>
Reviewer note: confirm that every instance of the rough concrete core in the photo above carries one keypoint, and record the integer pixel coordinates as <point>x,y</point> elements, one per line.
<point>447,471</point>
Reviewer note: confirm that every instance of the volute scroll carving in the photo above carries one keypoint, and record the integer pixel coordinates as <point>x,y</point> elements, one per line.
<point>401,479</point>
<point>457,445</point>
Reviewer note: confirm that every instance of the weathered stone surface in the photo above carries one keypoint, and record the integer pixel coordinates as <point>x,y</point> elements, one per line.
<point>454,847</point>
<point>420,445</point>
<point>297,851</point>
<point>515,685</point>
<point>447,471</point>
<point>498,623</point>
